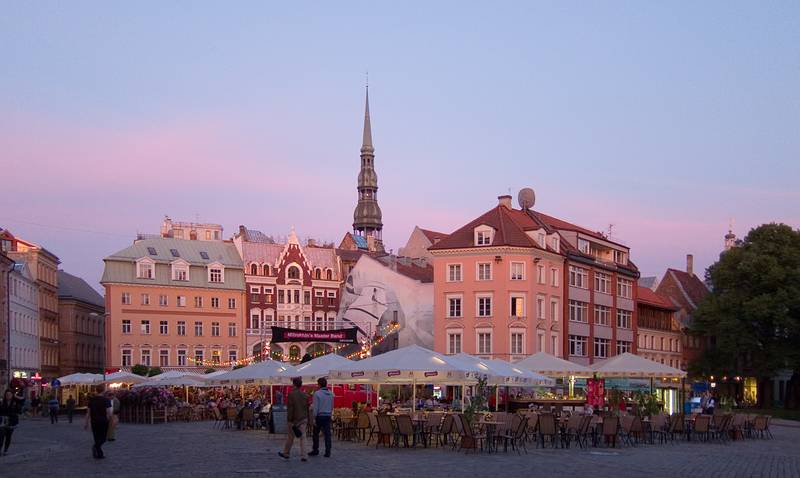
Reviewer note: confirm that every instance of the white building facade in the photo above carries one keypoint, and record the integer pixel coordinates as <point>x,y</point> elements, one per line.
<point>24,352</point>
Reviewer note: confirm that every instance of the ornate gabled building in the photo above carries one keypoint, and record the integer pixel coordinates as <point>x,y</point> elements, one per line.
<point>367,217</point>
<point>287,285</point>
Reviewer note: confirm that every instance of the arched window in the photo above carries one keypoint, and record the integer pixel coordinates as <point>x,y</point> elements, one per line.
<point>266,269</point>
<point>317,273</point>
<point>293,273</point>
<point>329,274</point>
<point>253,270</point>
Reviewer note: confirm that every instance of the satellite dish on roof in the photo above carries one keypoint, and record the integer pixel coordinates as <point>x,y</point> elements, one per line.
<point>526,198</point>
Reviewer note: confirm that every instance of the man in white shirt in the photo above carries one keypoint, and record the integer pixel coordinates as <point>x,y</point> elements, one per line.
<point>321,410</point>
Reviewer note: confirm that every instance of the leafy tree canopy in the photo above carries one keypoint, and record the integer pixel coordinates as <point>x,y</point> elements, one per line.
<point>752,315</point>
<point>140,369</point>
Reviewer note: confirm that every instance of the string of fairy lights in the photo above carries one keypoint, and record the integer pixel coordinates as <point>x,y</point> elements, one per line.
<point>364,351</point>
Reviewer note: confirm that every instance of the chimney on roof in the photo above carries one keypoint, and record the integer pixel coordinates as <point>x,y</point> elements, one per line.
<point>689,264</point>
<point>241,230</point>
<point>504,200</point>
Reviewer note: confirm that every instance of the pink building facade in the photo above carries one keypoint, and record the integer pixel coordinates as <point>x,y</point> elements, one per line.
<point>499,287</point>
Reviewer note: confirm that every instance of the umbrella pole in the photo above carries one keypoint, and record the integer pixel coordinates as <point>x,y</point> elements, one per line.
<point>496,398</point>
<point>378,398</point>
<point>508,397</point>
<point>413,394</point>
<point>463,397</point>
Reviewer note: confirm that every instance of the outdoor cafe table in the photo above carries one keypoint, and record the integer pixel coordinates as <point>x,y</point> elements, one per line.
<point>491,429</point>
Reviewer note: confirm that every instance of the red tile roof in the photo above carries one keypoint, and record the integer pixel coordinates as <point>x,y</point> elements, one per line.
<point>690,289</point>
<point>556,223</point>
<point>433,236</point>
<point>649,297</point>
<point>509,226</point>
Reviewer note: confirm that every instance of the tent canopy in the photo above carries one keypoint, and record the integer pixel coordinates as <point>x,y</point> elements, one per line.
<point>124,377</point>
<point>500,372</point>
<point>319,367</point>
<point>266,372</point>
<point>408,365</point>
<point>553,366</point>
<point>634,366</point>
<point>81,379</point>
<point>184,381</point>
<point>535,378</point>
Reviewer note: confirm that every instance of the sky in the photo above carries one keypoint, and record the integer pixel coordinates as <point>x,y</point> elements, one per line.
<point>663,119</point>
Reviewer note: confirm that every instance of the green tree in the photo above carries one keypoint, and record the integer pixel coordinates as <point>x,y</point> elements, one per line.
<point>210,370</point>
<point>140,369</point>
<point>751,319</point>
<point>154,371</point>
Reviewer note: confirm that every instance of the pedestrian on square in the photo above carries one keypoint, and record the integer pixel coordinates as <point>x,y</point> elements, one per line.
<point>9,419</point>
<point>99,414</point>
<point>114,422</point>
<point>711,404</point>
<point>322,409</point>
<point>297,418</point>
<point>70,408</point>
<point>35,402</point>
<point>52,406</point>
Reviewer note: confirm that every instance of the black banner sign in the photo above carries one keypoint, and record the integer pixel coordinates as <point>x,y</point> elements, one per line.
<point>340,336</point>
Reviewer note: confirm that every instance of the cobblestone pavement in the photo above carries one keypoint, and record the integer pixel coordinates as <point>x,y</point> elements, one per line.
<point>195,449</point>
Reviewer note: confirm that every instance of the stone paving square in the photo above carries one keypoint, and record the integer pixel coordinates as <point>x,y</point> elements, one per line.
<point>196,449</point>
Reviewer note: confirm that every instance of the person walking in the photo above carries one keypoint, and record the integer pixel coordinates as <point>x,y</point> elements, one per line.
<point>9,419</point>
<point>711,404</point>
<point>99,414</point>
<point>52,406</point>
<point>321,410</point>
<point>297,418</point>
<point>70,408</point>
<point>114,422</point>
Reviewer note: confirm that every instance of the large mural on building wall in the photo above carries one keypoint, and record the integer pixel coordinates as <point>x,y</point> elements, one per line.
<point>375,295</point>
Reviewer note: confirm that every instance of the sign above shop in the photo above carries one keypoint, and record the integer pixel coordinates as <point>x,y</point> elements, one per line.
<point>341,336</point>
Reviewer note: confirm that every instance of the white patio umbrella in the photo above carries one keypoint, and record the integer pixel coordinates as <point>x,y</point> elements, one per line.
<point>173,382</point>
<point>319,367</point>
<point>124,377</point>
<point>634,366</point>
<point>175,374</point>
<point>409,365</point>
<point>81,379</point>
<point>504,373</point>
<point>552,366</point>
<point>266,372</point>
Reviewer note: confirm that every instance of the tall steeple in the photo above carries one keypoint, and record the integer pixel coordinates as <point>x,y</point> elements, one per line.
<point>367,216</point>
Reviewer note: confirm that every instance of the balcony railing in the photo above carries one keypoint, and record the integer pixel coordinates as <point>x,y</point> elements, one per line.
<point>517,317</point>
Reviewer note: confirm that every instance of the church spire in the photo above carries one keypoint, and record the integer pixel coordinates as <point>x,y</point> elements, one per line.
<point>366,143</point>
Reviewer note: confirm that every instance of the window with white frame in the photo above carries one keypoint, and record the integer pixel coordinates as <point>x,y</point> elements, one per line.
<point>126,298</point>
<point>162,300</point>
<point>518,306</point>
<point>583,246</point>
<point>215,329</point>
<point>601,283</point>
<point>146,357</point>
<point>145,269</point>
<point>620,257</point>
<point>517,343</point>
<point>554,310</point>
<point>540,307</point>
<point>454,343</point>
<point>198,301</point>
<point>216,273</point>
<point>145,327</point>
<point>483,236</point>
<point>484,306</point>
<point>602,315</point>
<point>623,346</point>
<point>624,319</point>
<point>181,327</point>
<point>231,303</point>
<point>454,273</point>
<point>198,329</point>
<point>601,347</point>
<point>215,302</point>
<point>231,329</point>
<point>454,306</point>
<point>554,277</point>
<point>517,271</point>
<point>145,299</point>
<point>254,289</point>
<point>577,345</point>
<point>540,274</point>
<point>541,342</point>
<point>126,326</point>
<point>163,358</point>
<point>232,356</point>
<point>181,301</point>
<point>180,271</point>
<point>555,243</point>
<point>163,327</point>
<point>624,288</point>
<point>181,358</point>
<point>255,318</point>
<point>578,311</point>
<point>484,343</point>
<point>198,356</point>
<point>578,277</point>
<point>484,271</point>
<point>127,359</point>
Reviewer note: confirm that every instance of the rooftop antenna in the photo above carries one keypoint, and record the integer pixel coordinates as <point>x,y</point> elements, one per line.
<point>610,230</point>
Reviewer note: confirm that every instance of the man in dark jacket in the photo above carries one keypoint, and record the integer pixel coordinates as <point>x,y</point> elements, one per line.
<point>322,410</point>
<point>297,418</point>
<point>98,415</point>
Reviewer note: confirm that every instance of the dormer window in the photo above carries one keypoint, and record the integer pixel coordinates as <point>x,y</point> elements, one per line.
<point>216,273</point>
<point>555,243</point>
<point>180,270</point>
<point>620,257</point>
<point>583,246</point>
<point>145,269</point>
<point>484,236</point>
<point>541,240</point>
<point>293,273</point>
